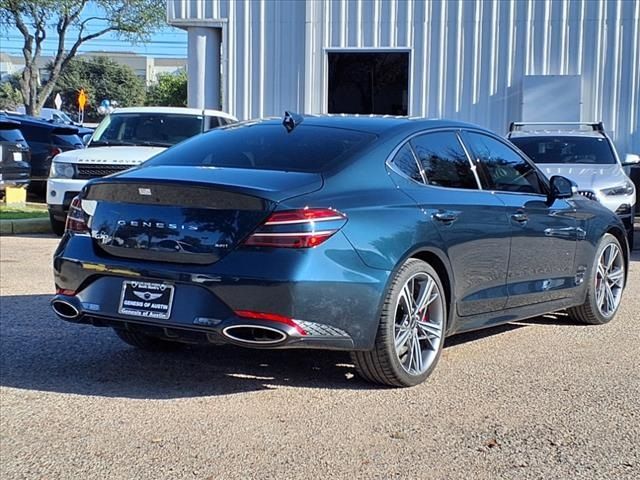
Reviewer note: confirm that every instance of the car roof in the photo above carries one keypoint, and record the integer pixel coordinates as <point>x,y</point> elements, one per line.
<point>28,120</point>
<point>173,110</point>
<point>61,129</point>
<point>375,124</point>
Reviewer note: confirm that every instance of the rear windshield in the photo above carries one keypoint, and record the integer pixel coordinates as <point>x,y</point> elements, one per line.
<point>566,150</point>
<point>10,135</point>
<point>151,129</point>
<point>268,147</point>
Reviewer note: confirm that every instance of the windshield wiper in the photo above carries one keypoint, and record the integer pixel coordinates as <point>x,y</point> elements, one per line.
<point>154,144</point>
<point>113,143</point>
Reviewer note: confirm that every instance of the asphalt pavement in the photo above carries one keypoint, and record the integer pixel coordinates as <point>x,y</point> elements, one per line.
<point>544,398</point>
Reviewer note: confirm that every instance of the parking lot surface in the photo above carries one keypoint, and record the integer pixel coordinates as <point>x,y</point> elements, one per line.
<point>544,398</point>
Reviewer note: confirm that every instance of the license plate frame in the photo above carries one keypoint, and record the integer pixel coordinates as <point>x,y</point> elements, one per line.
<point>142,299</point>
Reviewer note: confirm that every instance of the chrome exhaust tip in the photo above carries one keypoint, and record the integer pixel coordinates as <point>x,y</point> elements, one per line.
<point>65,309</point>
<point>254,334</point>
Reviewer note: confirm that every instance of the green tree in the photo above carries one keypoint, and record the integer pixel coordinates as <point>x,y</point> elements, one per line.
<point>10,97</point>
<point>130,19</point>
<point>170,91</point>
<point>101,78</point>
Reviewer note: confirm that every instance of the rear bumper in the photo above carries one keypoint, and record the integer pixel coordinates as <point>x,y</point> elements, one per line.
<point>328,291</point>
<point>218,331</point>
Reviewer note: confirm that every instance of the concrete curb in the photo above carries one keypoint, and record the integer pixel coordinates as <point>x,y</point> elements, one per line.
<point>29,225</point>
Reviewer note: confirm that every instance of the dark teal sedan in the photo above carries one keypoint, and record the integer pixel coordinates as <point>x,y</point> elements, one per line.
<point>376,235</point>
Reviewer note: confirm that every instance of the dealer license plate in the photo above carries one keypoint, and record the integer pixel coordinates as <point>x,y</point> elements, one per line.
<point>146,299</point>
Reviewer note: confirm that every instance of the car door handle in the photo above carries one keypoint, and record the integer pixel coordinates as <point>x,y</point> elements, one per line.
<point>446,216</point>
<point>520,217</point>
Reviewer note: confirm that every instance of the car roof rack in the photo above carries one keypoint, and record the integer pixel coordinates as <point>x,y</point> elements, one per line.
<point>517,126</point>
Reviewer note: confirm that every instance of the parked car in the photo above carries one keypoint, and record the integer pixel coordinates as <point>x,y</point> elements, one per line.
<point>46,140</point>
<point>15,156</point>
<point>54,115</point>
<point>585,154</point>
<point>380,236</point>
<point>124,139</point>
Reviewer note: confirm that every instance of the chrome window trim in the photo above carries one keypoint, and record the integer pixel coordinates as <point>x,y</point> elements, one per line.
<point>541,177</point>
<point>389,161</point>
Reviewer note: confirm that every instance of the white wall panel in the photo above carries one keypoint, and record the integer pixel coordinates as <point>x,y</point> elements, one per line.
<point>468,57</point>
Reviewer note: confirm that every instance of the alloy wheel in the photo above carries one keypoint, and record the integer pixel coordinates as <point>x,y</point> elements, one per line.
<point>609,280</point>
<point>419,323</point>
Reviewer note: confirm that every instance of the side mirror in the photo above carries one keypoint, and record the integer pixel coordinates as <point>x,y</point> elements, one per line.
<point>86,138</point>
<point>631,159</point>
<point>561,187</point>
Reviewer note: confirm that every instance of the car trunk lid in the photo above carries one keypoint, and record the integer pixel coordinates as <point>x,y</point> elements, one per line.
<point>147,214</point>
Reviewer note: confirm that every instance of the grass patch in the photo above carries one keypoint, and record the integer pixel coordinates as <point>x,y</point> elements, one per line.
<point>13,213</point>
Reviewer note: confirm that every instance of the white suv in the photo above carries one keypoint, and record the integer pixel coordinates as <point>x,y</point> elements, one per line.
<point>124,139</point>
<point>583,153</point>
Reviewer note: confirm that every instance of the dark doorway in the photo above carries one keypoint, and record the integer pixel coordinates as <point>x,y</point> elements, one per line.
<point>376,82</point>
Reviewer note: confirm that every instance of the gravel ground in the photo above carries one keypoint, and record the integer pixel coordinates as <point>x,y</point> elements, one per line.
<point>545,398</point>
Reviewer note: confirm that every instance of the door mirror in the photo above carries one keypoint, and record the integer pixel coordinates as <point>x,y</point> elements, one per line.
<point>86,138</point>
<point>631,159</point>
<point>561,187</point>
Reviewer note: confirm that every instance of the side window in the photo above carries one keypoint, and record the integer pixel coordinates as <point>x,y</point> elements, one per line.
<point>507,170</point>
<point>444,161</point>
<point>406,163</point>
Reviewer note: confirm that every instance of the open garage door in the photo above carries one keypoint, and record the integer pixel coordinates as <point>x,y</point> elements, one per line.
<point>371,82</point>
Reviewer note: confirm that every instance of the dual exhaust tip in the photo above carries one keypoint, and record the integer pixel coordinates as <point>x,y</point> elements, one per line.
<point>65,309</point>
<point>244,334</point>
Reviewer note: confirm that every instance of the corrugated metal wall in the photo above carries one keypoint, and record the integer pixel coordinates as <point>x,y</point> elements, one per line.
<point>468,57</point>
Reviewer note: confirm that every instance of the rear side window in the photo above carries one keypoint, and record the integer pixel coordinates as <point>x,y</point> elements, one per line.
<point>10,135</point>
<point>506,169</point>
<point>566,149</point>
<point>268,147</point>
<point>444,161</point>
<point>405,161</point>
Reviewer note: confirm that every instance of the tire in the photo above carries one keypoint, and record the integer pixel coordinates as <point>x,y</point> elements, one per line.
<point>596,309</point>
<point>146,342</point>
<point>400,367</point>
<point>57,226</point>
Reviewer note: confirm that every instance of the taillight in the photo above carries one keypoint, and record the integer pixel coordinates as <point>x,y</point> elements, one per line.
<point>303,228</point>
<point>271,317</point>
<point>76,218</point>
<point>54,151</point>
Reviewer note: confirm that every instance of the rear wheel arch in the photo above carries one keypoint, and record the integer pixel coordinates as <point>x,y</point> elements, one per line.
<point>444,272</point>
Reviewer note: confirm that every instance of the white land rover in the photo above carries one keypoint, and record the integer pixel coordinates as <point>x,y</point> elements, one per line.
<point>124,139</point>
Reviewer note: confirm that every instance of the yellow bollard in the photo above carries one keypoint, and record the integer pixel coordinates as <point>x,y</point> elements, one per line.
<point>15,196</point>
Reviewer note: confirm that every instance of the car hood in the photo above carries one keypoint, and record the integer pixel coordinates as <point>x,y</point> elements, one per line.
<point>110,155</point>
<point>587,177</point>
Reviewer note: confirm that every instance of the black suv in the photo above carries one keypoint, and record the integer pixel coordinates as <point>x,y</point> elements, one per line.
<point>46,140</point>
<point>15,165</point>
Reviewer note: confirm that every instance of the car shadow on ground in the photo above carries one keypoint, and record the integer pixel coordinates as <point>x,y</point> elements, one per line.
<point>40,352</point>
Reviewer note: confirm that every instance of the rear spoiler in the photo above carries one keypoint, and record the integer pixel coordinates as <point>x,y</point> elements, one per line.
<point>8,124</point>
<point>517,126</point>
<point>65,130</point>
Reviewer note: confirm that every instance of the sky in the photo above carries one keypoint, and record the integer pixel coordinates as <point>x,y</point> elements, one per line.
<point>166,42</point>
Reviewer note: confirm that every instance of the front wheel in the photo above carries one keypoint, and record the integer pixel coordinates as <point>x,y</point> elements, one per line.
<point>606,284</point>
<point>411,329</point>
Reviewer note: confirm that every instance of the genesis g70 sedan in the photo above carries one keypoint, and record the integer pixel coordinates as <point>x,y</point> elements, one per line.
<point>380,236</point>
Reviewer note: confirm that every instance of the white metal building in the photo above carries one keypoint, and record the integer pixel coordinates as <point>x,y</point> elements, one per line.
<point>486,61</point>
